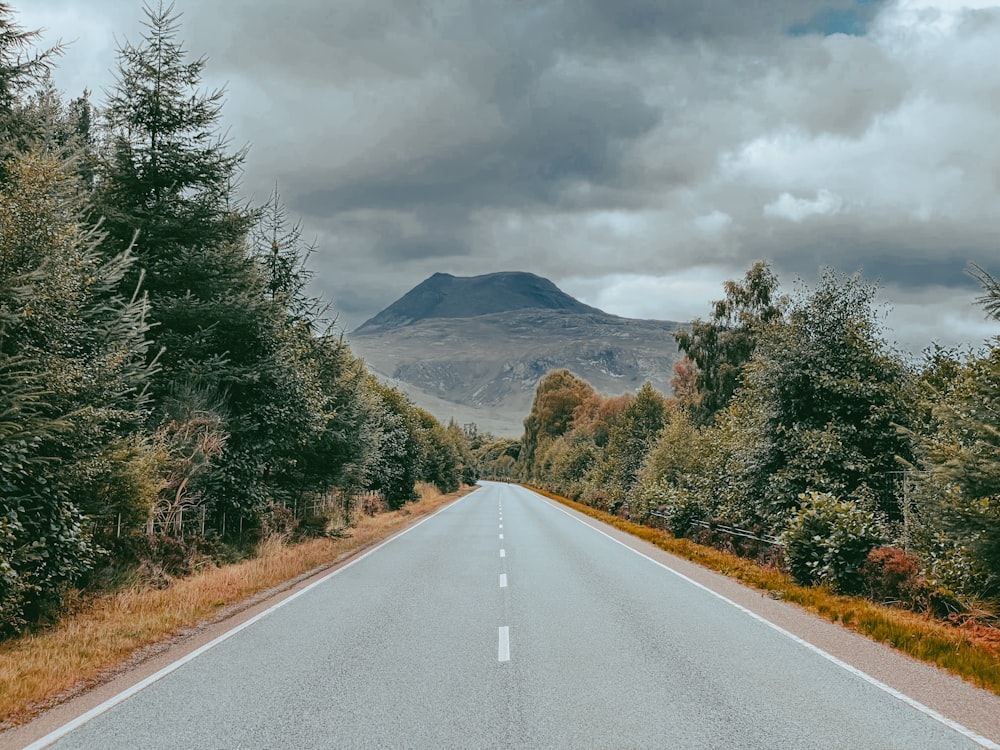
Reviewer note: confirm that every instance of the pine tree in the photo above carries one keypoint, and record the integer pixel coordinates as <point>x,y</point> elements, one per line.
<point>320,445</point>
<point>167,179</point>
<point>282,255</point>
<point>958,450</point>
<point>71,351</point>
<point>72,362</point>
<point>21,69</point>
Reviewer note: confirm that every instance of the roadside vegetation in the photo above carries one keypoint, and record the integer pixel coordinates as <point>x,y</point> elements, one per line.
<point>169,393</point>
<point>798,441</point>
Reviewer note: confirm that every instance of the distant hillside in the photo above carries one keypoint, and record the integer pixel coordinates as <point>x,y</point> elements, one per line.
<point>475,348</point>
<point>446,296</point>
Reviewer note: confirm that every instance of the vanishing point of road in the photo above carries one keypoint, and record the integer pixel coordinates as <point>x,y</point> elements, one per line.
<point>507,621</point>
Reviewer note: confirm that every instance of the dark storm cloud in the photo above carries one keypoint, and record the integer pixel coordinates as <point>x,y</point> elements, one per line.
<point>627,146</point>
<point>399,37</point>
<point>402,249</point>
<point>541,74</point>
<point>353,302</point>
<point>565,131</point>
<point>904,257</point>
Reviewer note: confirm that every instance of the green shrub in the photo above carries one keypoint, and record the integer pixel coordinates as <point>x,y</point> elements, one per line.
<point>828,540</point>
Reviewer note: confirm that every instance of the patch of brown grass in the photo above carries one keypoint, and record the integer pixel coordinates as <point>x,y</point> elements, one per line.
<point>968,649</point>
<point>84,648</point>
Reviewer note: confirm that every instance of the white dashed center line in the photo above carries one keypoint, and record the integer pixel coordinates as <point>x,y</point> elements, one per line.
<point>503,580</point>
<point>503,651</point>
<point>503,553</point>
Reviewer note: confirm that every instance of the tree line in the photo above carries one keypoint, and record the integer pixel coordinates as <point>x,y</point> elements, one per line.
<point>159,352</point>
<point>794,423</point>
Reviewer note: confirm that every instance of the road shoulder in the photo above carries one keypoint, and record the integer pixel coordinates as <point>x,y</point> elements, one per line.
<point>972,707</point>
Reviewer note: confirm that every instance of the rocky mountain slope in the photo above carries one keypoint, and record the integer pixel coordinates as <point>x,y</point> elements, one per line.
<point>475,348</point>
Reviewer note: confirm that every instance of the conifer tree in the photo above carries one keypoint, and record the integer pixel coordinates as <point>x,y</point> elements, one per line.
<point>315,372</point>
<point>167,178</point>
<point>72,362</point>
<point>50,298</point>
<point>22,68</point>
<point>959,455</point>
<point>393,457</point>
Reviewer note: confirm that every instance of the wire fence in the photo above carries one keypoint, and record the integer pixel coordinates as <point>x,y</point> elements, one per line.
<point>900,484</point>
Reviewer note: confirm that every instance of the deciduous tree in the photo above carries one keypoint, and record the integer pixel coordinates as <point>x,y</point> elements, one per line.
<point>630,441</point>
<point>822,405</point>
<point>721,346</point>
<point>557,397</point>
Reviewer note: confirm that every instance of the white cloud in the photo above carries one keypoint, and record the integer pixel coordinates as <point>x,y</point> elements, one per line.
<point>678,296</point>
<point>617,224</point>
<point>936,314</point>
<point>934,17</point>
<point>714,222</point>
<point>798,210</point>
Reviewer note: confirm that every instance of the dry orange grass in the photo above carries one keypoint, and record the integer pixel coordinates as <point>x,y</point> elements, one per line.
<point>40,669</point>
<point>965,651</point>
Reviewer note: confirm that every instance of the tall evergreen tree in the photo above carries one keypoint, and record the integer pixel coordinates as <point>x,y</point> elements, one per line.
<point>959,457</point>
<point>166,177</point>
<point>278,248</point>
<point>22,68</point>
<point>72,358</point>
<point>318,441</point>
<point>71,351</point>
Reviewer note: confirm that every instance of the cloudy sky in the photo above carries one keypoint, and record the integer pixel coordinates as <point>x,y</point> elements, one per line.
<point>636,152</point>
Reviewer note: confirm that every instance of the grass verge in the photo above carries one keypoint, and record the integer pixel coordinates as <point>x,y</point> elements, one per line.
<point>967,652</point>
<point>40,670</point>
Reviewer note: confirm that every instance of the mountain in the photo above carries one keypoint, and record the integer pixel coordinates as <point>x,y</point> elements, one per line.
<point>447,296</point>
<point>474,348</point>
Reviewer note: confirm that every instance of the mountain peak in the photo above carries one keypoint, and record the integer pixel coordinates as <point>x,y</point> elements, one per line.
<point>445,296</point>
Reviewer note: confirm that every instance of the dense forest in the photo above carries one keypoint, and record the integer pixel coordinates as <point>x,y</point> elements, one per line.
<point>166,383</point>
<point>797,436</point>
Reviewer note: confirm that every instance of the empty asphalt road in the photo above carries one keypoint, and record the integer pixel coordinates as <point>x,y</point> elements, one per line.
<point>505,621</point>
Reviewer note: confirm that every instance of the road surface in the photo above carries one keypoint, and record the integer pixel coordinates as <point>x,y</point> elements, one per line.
<point>505,621</point>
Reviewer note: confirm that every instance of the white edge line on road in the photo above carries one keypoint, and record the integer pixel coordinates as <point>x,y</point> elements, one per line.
<point>110,703</point>
<point>503,649</point>
<point>926,710</point>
